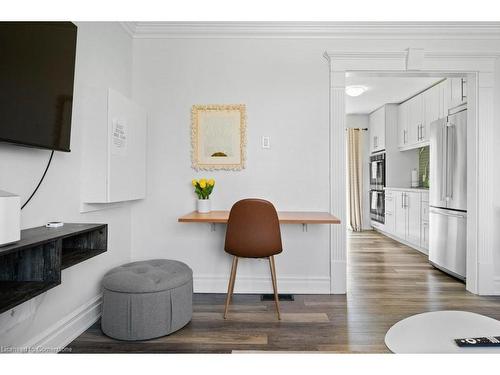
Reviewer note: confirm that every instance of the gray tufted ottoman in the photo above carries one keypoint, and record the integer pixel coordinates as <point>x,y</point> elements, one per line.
<point>144,300</point>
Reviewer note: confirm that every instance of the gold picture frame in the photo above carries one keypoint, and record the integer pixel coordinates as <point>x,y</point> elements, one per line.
<point>218,136</point>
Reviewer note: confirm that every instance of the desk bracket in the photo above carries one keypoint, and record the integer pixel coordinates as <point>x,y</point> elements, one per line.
<point>304,227</point>
<point>212,227</point>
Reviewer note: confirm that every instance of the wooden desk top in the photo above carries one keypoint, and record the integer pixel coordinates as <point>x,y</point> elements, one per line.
<point>285,217</point>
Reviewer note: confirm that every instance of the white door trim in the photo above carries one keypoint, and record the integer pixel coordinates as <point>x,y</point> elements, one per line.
<point>479,66</point>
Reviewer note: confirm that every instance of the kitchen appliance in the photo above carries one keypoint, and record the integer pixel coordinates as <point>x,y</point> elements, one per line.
<point>414,178</point>
<point>377,185</point>
<point>377,206</point>
<point>377,172</point>
<point>10,218</point>
<point>448,193</point>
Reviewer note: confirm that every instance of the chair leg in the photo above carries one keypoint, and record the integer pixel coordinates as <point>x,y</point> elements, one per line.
<point>275,285</point>
<point>230,287</point>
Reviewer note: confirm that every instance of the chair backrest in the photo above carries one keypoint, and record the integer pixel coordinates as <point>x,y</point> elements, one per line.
<point>253,229</point>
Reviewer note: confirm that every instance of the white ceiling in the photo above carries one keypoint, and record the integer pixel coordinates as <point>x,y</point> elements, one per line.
<point>382,90</point>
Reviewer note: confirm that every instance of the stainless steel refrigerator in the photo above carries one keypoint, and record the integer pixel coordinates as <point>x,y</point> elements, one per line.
<point>448,193</point>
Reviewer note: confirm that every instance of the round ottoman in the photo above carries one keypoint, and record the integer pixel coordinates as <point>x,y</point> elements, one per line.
<point>147,299</point>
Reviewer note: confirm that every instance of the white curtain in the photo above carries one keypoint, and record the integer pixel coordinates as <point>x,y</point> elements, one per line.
<point>354,179</point>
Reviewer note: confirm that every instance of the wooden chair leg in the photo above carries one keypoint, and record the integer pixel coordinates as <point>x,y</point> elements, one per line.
<point>275,285</point>
<point>230,287</point>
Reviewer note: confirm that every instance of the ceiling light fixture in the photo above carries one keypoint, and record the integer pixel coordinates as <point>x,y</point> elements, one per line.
<point>355,90</point>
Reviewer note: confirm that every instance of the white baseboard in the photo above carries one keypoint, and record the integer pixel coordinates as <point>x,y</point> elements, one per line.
<point>339,277</point>
<point>60,334</point>
<point>256,285</point>
<point>496,282</point>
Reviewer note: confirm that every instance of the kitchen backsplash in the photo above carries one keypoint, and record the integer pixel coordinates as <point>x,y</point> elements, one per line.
<point>423,166</point>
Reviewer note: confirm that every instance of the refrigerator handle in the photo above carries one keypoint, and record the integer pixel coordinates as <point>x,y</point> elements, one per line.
<point>444,153</point>
<point>450,151</point>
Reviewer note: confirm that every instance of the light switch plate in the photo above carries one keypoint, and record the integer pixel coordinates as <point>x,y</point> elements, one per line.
<point>266,142</point>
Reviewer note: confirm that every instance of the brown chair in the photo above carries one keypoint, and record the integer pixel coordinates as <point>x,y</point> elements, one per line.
<point>253,231</point>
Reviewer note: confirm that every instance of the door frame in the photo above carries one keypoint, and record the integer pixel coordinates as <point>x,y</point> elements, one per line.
<point>479,67</point>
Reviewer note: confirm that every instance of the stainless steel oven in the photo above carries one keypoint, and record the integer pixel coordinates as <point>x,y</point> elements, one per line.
<point>377,205</point>
<point>377,185</point>
<point>377,171</point>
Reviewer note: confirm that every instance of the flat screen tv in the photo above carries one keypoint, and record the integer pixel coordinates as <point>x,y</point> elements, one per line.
<point>37,66</point>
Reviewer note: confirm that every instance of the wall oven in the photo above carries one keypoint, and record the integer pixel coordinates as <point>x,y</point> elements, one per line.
<point>377,185</point>
<point>377,172</point>
<point>377,206</point>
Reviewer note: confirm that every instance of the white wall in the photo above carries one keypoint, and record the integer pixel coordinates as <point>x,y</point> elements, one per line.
<point>286,93</point>
<point>104,59</point>
<point>284,83</point>
<point>362,121</point>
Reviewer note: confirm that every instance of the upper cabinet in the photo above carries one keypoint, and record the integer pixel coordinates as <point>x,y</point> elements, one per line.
<point>416,114</point>
<point>433,108</point>
<point>416,119</point>
<point>377,130</point>
<point>455,92</point>
<point>403,121</point>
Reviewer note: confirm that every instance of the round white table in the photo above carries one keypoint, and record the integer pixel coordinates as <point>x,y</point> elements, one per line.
<point>434,332</point>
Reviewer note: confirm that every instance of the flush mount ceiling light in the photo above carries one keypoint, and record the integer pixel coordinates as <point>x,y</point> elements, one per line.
<point>355,90</point>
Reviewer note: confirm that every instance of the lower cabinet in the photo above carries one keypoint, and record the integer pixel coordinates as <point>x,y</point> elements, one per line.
<point>412,207</point>
<point>407,217</point>
<point>400,214</point>
<point>390,219</point>
<point>424,237</point>
<point>424,241</point>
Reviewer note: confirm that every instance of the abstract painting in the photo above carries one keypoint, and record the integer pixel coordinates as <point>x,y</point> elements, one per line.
<point>218,136</point>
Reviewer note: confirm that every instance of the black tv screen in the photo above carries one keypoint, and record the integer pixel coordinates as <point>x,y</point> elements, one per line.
<point>37,66</point>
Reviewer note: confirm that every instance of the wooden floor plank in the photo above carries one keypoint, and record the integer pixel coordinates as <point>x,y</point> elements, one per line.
<point>387,281</point>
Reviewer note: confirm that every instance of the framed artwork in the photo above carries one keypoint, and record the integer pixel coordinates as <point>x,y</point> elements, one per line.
<point>218,136</point>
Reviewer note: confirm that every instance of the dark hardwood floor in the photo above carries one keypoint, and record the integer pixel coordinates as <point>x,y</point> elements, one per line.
<point>387,282</point>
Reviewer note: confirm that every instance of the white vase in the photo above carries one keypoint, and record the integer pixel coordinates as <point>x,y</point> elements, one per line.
<point>203,206</point>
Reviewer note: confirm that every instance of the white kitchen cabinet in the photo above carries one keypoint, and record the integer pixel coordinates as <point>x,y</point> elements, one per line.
<point>390,219</point>
<point>403,114</point>
<point>454,93</point>
<point>416,114</point>
<point>412,206</point>
<point>424,241</point>
<point>407,225</point>
<point>377,130</point>
<point>408,218</point>
<point>416,119</point>
<point>400,214</point>
<point>443,103</point>
<point>432,110</point>
<point>411,123</point>
<point>424,236</point>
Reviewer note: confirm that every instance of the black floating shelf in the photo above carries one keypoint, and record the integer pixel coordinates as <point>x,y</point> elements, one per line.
<point>33,265</point>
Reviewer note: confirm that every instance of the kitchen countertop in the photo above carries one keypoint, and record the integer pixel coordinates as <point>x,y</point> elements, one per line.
<point>421,189</point>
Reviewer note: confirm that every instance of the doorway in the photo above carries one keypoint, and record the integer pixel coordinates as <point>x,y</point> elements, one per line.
<point>436,63</point>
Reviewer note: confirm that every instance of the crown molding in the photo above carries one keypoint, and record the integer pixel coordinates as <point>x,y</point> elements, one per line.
<point>326,30</point>
<point>360,54</point>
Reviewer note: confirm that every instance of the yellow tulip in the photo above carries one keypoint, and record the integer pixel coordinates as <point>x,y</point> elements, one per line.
<point>194,182</point>
<point>203,183</point>
<point>211,182</point>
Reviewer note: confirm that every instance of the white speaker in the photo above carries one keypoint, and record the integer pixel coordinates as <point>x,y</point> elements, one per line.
<point>10,218</point>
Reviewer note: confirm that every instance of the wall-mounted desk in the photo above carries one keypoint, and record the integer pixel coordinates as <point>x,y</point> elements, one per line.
<point>285,217</point>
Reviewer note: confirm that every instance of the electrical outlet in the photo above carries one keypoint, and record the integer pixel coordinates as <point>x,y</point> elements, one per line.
<point>266,142</point>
